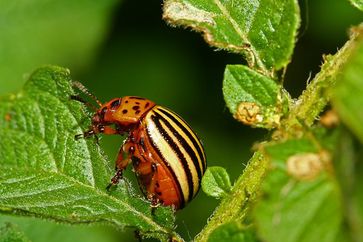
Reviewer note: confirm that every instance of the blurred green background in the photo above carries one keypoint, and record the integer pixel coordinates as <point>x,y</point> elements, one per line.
<point>119,48</point>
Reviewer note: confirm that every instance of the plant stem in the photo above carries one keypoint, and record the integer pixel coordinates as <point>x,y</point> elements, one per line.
<point>317,94</point>
<point>235,205</point>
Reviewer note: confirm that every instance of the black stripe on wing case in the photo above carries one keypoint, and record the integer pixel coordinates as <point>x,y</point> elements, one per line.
<point>184,144</point>
<point>179,154</point>
<point>157,150</point>
<point>196,143</point>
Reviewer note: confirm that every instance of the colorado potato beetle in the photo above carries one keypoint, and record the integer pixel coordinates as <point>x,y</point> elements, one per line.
<point>167,156</point>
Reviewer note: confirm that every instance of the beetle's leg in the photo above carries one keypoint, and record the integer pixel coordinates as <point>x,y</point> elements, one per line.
<point>121,162</point>
<point>107,130</point>
<point>149,172</point>
<point>138,235</point>
<point>85,134</point>
<point>153,197</point>
<point>81,100</point>
<point>95,130</point>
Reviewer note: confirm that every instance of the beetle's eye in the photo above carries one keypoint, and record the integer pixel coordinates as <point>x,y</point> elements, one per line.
<point>115,104</point>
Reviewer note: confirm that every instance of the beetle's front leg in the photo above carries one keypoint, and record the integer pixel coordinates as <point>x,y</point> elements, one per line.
<point>122,161</point>
<point>96,130</point>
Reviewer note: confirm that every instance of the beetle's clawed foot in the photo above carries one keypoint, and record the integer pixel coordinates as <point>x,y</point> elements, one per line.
<point>115,179</point>
<point>155,203</point>
<point>86,134</point>
<point>138,235</point>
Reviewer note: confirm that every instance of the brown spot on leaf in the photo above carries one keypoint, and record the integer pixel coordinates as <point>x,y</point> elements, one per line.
<point>307,166</point>
<point>248,113</point>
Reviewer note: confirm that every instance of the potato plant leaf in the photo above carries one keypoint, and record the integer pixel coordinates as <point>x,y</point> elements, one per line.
<point>252,98</point>
<point>216,182</point>
<point>46,173</point>
<point>357,3</point>
<point>232,232</point>
<point>263,30</point>
<point>301,198</point>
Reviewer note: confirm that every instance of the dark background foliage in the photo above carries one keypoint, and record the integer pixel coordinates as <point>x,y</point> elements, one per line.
<point>137,53</point>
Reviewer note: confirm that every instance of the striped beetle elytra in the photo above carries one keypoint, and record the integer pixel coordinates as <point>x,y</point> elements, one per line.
<point>167,156</point>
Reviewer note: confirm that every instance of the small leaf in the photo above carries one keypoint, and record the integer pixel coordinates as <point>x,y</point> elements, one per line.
<point>348,93</point>
<point>11,233</point>
<point>216,182</point>
<point>262,30</point>
<point>301,199</point>
<point>46,173</point>
<point>232,232</point>
<point>251,97</point>
<point>357,3</point>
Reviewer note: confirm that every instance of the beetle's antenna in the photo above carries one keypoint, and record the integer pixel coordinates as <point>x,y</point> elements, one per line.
<point>81,100</point>
<point>85,91</point>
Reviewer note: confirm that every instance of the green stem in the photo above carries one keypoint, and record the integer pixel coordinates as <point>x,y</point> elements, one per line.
<point>317,94</point>
<point>235,205</point>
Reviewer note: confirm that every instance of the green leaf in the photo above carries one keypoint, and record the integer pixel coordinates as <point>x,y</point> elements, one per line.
<point>252,98</point>
<point>301,199</point>
<point>34,33</point>
<point>48,174</point>
<point>357,3</point>
<point>216,182</point>
<point>348,93</point>
<point>11,233</point>
<point>349,168</point>
<point>231,232</point>
<point>44,230</point>
<point>262,30</point>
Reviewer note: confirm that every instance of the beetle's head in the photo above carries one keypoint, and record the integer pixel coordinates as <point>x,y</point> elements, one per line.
<point>103,117</point>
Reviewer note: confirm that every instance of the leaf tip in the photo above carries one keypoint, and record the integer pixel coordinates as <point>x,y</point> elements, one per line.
<point>183,12</point>
<point>216,182</point>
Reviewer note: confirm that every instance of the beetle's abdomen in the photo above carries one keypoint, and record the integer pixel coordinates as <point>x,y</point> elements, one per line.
<point>180,151</point>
